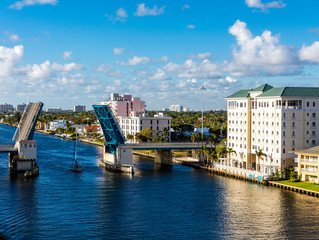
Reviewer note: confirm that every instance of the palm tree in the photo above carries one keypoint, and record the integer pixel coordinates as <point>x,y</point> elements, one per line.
<point>229,151</point>
<point>220,150</point>
<point>260,154</point>
<point>193,137</point>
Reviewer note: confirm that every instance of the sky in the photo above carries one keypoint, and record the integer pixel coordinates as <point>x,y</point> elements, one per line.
<point>76,52</point>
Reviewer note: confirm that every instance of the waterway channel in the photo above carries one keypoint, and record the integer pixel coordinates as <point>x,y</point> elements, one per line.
<point>181,203</point>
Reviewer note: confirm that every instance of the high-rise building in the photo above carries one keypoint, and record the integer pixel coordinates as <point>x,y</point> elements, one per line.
<point>131,116</point>
<point>272,121</point>
<point>6,107</point>
<point>176,108</point>
<point>79,108</point>
<point>20,107</point>
<point>125,105</point>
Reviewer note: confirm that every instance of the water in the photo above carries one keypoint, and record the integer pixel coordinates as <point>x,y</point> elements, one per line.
<point>152,204</point>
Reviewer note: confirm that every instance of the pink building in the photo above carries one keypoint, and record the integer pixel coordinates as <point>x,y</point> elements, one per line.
<point>125,105</point>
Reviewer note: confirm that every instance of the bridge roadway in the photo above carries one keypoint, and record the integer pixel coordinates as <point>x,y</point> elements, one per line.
<point>8,149</point>
<point>163,146</point>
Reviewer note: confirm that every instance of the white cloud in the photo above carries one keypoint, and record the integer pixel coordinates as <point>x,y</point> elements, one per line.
<point>159,74</point>
<point>67,55</point>
<point>186,6</point>
<point>118,51</point>
<point>120,15</point>
<point>135,61</point>
<point>8,58</point>
<point>310,53</point>
<point>191,26</point>
<point>47,70</point>
<point>146,11</point>
<point>14,38</point>
<point>264,6</point>
<point>192,69</point>
<point>164,59</point>
<point>108,70</point>
<point>20,4</point>
<point>261,54</point>
<point>205,55</point>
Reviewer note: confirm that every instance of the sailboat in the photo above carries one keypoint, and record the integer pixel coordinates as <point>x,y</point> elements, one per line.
<point>75,167</point>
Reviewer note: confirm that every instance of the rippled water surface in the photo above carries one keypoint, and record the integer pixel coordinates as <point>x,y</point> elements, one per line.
<point>153,204</point>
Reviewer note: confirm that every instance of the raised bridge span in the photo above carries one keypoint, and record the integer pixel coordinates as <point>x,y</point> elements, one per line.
<point>118,155</point>
<point>22,155</point>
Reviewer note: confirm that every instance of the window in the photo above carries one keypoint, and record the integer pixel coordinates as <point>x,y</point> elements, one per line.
<point>313,124</point>
<point>151,122</point>
<point>313,142</point>
<point>314,104</point>
<point>283,150</point>
<point>314,115</point>
<point>307,104</point>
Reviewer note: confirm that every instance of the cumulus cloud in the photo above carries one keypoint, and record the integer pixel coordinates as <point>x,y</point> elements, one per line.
<point>109,70</point>
<point>159,74</point>
<point>146,11</point>
<point>192,69</point>
<point>120,15</point>
<point>260,54</point>
<point>186,6</point>
<point>47,70</point>
<point>205,55</point>
<point>118,51</point>
<point>14,38</point>
<point>264,6</point>
<point>310,53</point>
<point>135,61</point>
<point>67,55</point>
<point>164,59</point>
<point>21,4</point>
<point>191,26</point>
<point>8,58</point>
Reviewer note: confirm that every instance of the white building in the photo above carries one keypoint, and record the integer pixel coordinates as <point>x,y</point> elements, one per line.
<point>133,125</point>
<point>6,107</point>
<point>275,120</point>
<point>57,124</point>
<point>53,109</point>
<point>20,107</point>
<point>79,108</point>
<point>176,108</point>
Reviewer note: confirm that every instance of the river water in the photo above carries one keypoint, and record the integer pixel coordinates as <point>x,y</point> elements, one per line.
<point>182,203</point>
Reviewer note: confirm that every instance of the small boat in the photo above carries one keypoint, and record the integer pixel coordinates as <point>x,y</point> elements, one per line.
<point>75,167</point>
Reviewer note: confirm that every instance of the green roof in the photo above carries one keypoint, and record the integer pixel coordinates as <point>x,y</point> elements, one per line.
<point>291,92</point>
<point>262,88</point>
<point>240,94</point>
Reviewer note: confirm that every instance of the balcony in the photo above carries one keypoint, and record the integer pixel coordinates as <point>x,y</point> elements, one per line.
<point>309,170</point>
<point>310,160</point>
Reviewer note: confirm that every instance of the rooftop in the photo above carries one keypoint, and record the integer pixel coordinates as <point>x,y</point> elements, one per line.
<point>269,91</point>
<point>309,151</point>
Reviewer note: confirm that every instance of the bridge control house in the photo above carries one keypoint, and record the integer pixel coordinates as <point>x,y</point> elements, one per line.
<point>274,120</point>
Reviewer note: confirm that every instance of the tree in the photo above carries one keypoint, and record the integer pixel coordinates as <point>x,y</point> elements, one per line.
<point>229,151</point>
<point>193,137</point>
<point>220,150</point>
<point>148,133</point>
<point>129,137</point>
<point>260,154</point>
<point>165,133</point>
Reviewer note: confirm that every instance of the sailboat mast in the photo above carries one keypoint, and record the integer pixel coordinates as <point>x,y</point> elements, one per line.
<point>75,146</point>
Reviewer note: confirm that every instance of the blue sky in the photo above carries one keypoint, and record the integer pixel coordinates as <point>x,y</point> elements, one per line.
<point>67,52</point>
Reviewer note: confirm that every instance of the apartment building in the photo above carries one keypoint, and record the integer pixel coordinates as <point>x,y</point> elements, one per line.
<point>275,120</point>
<point>124,105</point>
<point>79,108</point>
<point>308,162</point>
<point>133,125</point>
<point>131,116</point>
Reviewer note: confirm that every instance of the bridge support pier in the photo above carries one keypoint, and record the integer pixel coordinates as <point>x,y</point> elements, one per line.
<point>163,157</point>
<point>121,161</point>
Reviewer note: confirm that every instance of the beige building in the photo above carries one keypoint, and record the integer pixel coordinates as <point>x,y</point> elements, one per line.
<point>275,120</point>
<point>308,164</point>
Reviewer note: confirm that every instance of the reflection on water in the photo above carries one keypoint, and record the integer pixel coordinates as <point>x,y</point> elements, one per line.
<point>155,203</point>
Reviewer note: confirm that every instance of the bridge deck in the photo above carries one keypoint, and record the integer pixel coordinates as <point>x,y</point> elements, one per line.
<point>7,149</point>
<point>163,146</point>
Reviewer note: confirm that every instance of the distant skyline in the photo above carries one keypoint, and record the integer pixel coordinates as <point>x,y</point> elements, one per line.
<point>66,53</point>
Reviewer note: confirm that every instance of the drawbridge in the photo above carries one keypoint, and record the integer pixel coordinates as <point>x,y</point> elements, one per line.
<point>112,133</point>
<point>22,155</point>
